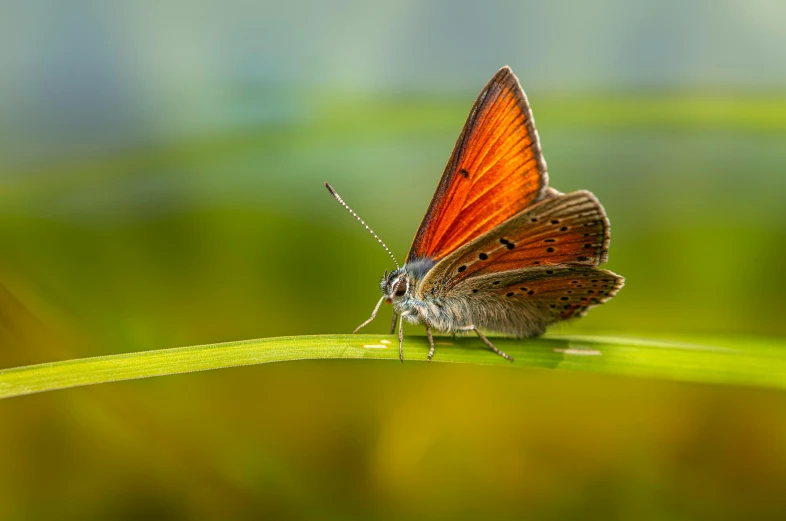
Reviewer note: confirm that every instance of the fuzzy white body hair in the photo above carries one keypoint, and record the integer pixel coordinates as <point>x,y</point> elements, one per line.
<point>455,314</point>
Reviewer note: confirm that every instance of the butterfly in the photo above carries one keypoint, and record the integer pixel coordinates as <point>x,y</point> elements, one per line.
<point>498,249</point>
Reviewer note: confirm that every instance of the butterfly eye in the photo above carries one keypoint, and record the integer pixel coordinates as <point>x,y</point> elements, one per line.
<point>400,286</point>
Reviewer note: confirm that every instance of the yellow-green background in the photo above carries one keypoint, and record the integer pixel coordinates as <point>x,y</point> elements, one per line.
<point>161,170</point>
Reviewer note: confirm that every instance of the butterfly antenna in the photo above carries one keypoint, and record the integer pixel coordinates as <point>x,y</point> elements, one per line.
<point>340,200</point>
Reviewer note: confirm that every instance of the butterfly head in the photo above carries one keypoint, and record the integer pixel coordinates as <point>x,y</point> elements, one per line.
<point>394,286</point>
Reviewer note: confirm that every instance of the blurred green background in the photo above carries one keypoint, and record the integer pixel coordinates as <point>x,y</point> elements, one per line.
<point>161,170</point>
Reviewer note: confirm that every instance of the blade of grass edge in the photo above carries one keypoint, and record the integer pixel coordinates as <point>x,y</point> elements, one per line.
<point>755,363</point>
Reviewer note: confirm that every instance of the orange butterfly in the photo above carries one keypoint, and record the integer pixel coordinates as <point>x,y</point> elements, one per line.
<point>499,249</point>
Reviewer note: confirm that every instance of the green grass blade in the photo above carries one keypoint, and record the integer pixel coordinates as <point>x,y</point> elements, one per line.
<point>742,362</point>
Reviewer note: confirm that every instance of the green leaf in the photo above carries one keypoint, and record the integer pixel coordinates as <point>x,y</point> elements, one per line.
<point>758,362</point>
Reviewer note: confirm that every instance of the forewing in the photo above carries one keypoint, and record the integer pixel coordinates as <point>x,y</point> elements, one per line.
<point>565,229</point>
<point>495,171</point>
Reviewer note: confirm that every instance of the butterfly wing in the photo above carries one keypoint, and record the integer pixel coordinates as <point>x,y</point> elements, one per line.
<point>565,229</point>
<point>495,171</point>
<point>523,302</point>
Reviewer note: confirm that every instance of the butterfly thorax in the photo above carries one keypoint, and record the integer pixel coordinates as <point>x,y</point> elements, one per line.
<point>401,289</point>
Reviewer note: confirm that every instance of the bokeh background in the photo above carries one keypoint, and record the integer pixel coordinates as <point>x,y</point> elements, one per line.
<point>161,170</point>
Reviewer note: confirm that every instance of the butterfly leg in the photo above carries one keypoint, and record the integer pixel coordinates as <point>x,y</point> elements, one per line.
<point>393,323</point>
<point>431,342</point>
<point>488,342</point>
<point>401,338</point>
<point>373,314</point>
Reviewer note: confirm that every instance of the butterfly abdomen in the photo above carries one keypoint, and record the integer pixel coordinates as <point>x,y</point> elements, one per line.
<point>457,313</point>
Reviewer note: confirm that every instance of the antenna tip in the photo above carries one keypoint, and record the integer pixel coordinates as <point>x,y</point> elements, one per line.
<point>330,189</point>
